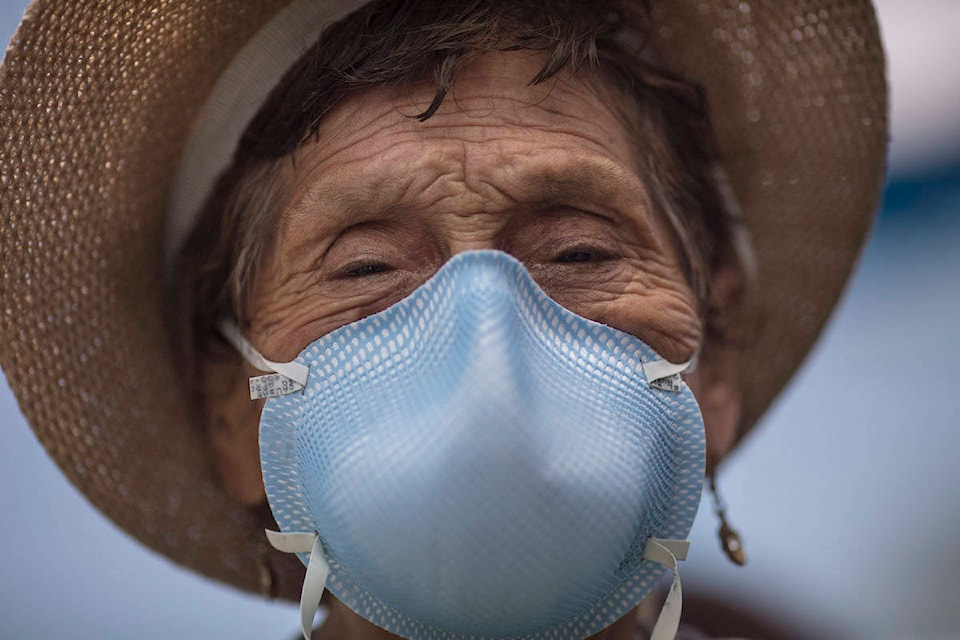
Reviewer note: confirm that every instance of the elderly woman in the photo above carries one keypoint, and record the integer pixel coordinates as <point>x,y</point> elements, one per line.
<point>473,294</point>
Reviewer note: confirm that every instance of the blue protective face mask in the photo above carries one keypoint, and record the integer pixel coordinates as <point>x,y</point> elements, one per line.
<point>477,461</point>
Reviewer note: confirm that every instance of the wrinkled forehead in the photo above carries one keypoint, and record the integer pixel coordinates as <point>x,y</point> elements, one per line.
<point>491,110</point>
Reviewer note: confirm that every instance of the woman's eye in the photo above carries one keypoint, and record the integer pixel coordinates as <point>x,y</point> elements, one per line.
<point>582,254</point>
<point>368,269</point>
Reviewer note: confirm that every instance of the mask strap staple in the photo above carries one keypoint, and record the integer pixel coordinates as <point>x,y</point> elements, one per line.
<point>293,375</point>
<point>666,553</point>
<point>317,571</point>
<point>666,375</point>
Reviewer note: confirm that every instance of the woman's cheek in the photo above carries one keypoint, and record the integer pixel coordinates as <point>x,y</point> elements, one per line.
<point>660,311</point>
<point>285,323</point>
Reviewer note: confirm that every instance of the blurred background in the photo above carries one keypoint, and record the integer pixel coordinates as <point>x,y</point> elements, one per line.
<point>848,496</point>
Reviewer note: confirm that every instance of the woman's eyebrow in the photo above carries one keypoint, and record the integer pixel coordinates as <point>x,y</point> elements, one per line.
<point>596,185</point>
<point>338,201</point>
<point>601,187</point>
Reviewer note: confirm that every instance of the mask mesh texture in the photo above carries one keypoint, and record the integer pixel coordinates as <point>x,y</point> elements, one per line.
<point>481,462</point>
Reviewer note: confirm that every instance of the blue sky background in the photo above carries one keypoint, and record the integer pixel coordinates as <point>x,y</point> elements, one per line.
<point>847,496</point>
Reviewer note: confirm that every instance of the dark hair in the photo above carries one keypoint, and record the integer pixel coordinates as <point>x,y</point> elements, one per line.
<point>393,41</point>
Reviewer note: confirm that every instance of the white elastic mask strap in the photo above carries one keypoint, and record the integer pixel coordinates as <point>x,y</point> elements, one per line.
<point>287,377</point>
<point>666,553</point>
<point>317,571</point>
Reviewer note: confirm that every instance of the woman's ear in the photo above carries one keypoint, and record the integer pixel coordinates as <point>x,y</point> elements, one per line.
<point>716,380</point>
<point>232,421</point>
<point>717,389</point>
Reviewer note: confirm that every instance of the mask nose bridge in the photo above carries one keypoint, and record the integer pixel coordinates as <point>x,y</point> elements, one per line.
<point>488,316</point>
<point>485,292</point>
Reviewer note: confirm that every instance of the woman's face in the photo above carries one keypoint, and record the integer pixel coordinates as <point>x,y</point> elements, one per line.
<point>547,173</point>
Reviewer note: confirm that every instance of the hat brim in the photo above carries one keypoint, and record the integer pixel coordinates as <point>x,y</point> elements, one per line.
<point>96,103</point>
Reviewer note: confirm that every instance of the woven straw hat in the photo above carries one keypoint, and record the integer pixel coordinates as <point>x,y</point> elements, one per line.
<point>97,99</point>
